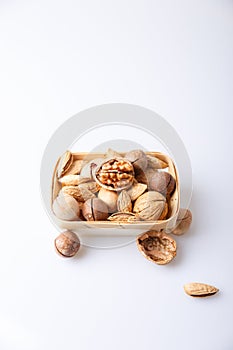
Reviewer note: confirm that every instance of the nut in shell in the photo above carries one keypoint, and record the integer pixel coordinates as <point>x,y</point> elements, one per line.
<point>156,163</point>
<point>200,289</point>
<point>114,174</point>
<point>123,217</point>
<point>72,180</point>
<point>136,190</point>
<point>64,163</point>
<point>162,182</point>
<point>138,158</point>
<point>157,247</point>
<point>76,167</point>
<point>150,206</point>
<point>124,203</point>
<point>183,222</point>
<point>144,176</point>
<point>95,209</point>
<point>109,198</point>
<point>65,207</point>
<point>80,193</point>
<point>67,244</point>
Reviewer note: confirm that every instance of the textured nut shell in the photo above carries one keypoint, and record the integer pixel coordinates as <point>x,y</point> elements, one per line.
<point>78,192</point>
<point>65,207</point>
<point>150,205</point>
<point>76,167</point>
<point>162,182</point>
<point>110,198</point>
<point>157,247</point>
<point>155,163</point>
<point>95,209</point>
<point>123,217</point>
<point>138,158</point>
<point>67,244</point>
<point>183,222</point>
<point>64,163</point>
<point>124,203</point>
<point>164,213</point>
<point>200,289</point>
<point>136,190</point>
<point>72,180</point>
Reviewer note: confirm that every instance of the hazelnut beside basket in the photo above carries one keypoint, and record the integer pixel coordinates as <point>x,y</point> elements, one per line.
<point>120,190</point>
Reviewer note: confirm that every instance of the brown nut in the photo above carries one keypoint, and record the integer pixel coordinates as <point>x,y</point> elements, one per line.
<point>183,222</point>
<point>95,209</point>
<point>138,158</point>
<point>65,207</point>
<point>156,163</point>
<point>136,190</point>
<point>78,192</point>
<point>67,244</point>
<point>124,217</point>
<point>162,182</point>
<point>144,176</point>
<point>76,167</point>
<point>64,163</point>
<point>150,206</point>
<point>109,198</point>
<point>124,203</point>
<point>114,174</point>
<point>157,247</point>
<point>164,213</point>
<point>200,289</point>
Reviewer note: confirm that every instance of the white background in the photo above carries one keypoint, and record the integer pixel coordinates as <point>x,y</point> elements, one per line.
<point>60,57</point>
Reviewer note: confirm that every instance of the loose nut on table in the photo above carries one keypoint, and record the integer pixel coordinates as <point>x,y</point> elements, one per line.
<point>183,222</point>
<point>200,289</point>
<point>67,244</point>
<point>157,247</point>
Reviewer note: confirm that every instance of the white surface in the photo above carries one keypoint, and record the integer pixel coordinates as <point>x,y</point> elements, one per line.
<point>58,58</point>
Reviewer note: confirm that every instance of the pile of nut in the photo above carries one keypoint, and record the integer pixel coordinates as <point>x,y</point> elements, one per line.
<point>133,188</point>
<point>126,189</point>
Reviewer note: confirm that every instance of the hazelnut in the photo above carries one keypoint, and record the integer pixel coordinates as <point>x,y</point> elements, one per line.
<point>162,182</point>
<point>95,209</point>
<point>138,158</point>
<point>109,198</point>
<point>67,244</point>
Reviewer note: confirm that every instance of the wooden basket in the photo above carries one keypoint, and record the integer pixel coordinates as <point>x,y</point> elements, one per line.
<point>129,228</point>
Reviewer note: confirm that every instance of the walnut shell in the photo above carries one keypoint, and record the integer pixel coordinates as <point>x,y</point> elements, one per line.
<point>157,247</point>
<point>114,174</point>
<point>95,209</point>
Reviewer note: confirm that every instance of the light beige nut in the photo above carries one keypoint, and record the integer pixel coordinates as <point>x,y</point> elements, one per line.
<point>112,154</point>
<point>109,198</point>
<point>76,167</point>
<point>124,217</point>
<point>157,247</point>
<point>72,180</point>
<point>124,203</point>
<point>156,163</point>
<point>114,174</point>
<point>199,289</point>
<point>67,244</point>
<point>64,163</point>
<point>65,207</point>
<point>136,190</point>
<point>150,205</point>
<point>183,222</point>
<point>78,192</point>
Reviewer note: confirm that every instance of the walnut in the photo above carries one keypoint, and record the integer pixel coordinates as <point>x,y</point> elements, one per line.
<point>157,247</point>
<point>150,205</point>
<point>114,174</point>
